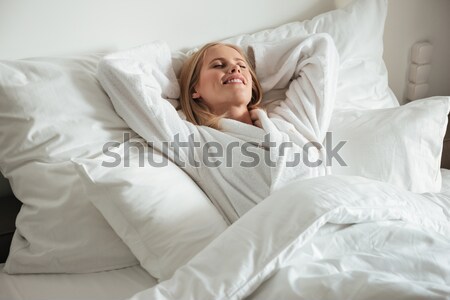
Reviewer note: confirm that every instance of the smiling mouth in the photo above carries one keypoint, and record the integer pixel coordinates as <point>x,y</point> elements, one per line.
<point>234,81</point>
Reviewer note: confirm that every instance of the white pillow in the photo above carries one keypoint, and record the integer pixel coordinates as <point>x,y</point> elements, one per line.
<point>159,212</point>
<point>50,111</point>
<point>357,31</point>
<point>402,145</point>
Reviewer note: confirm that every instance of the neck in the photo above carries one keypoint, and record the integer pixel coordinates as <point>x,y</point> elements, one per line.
<point>240,114</point>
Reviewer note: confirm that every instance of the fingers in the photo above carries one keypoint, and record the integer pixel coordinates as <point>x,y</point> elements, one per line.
<point>257,123</point>
<point>253,115</point>
<point>255,119</point>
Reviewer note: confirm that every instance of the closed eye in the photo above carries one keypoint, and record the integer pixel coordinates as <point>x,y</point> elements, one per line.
<point>220,65</point>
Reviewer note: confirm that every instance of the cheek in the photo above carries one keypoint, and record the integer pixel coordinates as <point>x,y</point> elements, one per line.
<point>206,80</point>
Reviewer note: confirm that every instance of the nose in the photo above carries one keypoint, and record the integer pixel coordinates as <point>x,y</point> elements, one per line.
<point>235,69</point>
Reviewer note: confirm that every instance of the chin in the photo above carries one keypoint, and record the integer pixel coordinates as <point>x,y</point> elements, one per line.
<point>244,99</point>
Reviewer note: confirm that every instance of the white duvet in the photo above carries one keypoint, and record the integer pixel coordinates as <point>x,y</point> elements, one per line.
<point>331,237</point>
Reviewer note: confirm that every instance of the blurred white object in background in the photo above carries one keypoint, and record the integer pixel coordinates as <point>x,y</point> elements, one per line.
<point>419,70</point>
<point>421,53</point>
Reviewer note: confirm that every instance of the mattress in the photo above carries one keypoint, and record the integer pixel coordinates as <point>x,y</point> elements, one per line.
<point>109,285</point>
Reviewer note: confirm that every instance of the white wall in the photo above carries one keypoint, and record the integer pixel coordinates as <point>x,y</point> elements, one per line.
<point>411,21</point>
<point>59,27</point>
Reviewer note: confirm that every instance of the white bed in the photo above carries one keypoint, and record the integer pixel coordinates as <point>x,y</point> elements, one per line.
<point>123,283</point>
<point>116,284</point>
<point>377,228</point>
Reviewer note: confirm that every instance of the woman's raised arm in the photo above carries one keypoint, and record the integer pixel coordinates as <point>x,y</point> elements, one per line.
<point>139,82</point>
<point>309,68</point>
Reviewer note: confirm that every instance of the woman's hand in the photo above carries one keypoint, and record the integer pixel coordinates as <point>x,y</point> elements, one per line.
<point>255,118</point>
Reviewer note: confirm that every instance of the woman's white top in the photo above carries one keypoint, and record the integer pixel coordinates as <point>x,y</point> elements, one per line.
<point>239,165</point>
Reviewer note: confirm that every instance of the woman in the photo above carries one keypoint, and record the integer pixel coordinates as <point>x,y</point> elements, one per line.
<point>217,81</point>
<point>236,152</point>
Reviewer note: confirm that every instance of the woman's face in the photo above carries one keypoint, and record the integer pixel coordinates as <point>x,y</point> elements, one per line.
<point>224,80</point>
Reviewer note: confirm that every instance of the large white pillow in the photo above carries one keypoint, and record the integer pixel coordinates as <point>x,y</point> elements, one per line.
<point>52,110</point>
<point>357,31</point>
<point>402,145</point>
<point>156,208</point>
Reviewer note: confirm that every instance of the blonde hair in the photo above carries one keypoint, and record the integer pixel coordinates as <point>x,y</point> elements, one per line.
<point>197,112</point>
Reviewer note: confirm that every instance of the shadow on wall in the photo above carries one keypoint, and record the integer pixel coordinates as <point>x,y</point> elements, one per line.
<point>409,22</point>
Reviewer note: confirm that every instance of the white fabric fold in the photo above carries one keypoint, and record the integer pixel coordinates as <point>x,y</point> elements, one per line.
<point>270,237</point>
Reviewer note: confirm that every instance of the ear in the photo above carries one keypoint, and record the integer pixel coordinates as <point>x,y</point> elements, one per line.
<point>195,95</point>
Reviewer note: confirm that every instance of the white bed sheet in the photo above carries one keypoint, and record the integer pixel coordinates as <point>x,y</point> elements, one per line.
<point>108,285</point>
<point>408,261</point>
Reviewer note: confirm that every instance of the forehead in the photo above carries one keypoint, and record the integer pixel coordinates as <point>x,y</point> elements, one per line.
<point>222,51</point>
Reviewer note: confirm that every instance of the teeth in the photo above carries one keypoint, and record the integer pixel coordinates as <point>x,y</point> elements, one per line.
<point>234,80</point>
